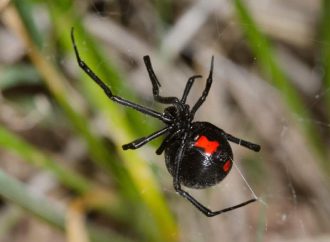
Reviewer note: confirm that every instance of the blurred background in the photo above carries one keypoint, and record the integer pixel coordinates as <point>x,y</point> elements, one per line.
<point>63,174</point>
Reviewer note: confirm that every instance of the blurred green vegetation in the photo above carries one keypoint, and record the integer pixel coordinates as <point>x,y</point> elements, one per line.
<point>325,49</point>
<point>268,63</point>
<point>133,200</point>
<point>129,172</point>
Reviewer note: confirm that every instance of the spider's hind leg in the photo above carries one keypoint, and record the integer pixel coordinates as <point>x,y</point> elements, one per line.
<point>207,212</point>
<point>167,141</point>
<point>177,186</point>
<point>243,143</point>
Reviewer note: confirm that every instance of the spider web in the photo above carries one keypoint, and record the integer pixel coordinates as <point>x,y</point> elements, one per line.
<point>245,181</point>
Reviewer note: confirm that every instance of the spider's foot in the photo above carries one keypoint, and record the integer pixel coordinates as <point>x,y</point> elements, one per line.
<point>159,151</point>
<point>135,144</point>
<point>254,147</point>
<point>128,147</point>
<point>257,148</point>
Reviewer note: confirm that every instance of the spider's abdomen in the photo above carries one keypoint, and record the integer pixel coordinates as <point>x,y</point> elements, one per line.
<point>207,157</point>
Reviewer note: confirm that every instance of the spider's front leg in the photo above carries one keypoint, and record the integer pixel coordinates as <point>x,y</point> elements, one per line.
<point>206,90</point>
<point>142,141</point>
<point>189,84</point>
<point>155,84</point>
<point>108,91</point>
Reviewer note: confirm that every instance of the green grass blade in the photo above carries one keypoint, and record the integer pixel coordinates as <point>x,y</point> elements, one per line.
<point>18,74</point>
<point>15,191</point>
<point>31,154</point>
<point>26,12</point>
<point>69,178</point>
<point>269,66</point>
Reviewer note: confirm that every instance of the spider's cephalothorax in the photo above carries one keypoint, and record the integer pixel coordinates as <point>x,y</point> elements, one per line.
<point>197,154</point>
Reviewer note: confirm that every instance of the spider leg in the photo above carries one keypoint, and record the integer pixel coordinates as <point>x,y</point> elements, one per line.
<point>177,186</point>
<point>207,212</point>
<point>189,84</point>
<point>155,84</point>
<point>142,141</point>
<point>107,90</point>
<point>206,90</point>
<point>166,141</point>
<point>243,143</point>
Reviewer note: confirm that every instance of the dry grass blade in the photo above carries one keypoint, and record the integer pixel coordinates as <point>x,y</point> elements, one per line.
<point>75,222</point>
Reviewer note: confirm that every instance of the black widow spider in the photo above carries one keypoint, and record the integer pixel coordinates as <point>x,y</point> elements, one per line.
<point>197,154</point>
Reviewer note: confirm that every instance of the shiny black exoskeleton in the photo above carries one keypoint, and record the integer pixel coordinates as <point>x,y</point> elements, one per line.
<point>207,156</point>
<point>197,154</point>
